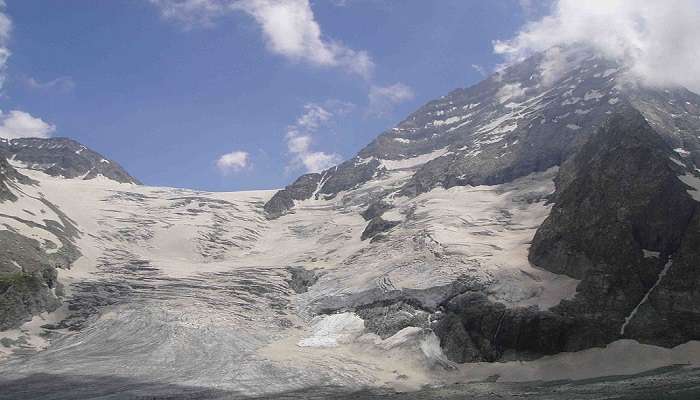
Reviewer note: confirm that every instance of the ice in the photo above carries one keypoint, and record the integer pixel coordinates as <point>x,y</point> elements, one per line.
<point>332,330</point>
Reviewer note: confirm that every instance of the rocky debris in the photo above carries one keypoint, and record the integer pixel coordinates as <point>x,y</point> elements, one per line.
<point>376,227</point>
<point>63,157</point>
<point>387,318</point>
<point>300,279</point>
<point>375,209</point>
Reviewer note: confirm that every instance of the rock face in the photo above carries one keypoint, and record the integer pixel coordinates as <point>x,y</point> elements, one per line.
<point>623,223</point>
<point>302,189</point>
<point>622,215</point>
<point>376,226</point>
<point>9,176</point>
<point>63,157</point>
<point>37,237</point>
<point>514,123</point>
<point>623,220</point>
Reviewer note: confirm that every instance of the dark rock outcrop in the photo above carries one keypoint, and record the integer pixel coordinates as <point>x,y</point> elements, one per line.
<point>376,227</point>
<point>8,177</point>
<point>628,228</point>
<point>300,279</point>
<point>375,209</point>
<point>28,275</point>
<point>388,317</point>
<point>63,157</point>
<point>25,294</point>
<point>302,189</point>
<point>474,328</point>
<point>619,200</point>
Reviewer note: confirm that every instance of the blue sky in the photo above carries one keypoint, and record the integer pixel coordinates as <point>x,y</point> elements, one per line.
<point>167,90</point>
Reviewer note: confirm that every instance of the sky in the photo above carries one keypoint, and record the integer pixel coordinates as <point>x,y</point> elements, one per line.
<point>249,94</point>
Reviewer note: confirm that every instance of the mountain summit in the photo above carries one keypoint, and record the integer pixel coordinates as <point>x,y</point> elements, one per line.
<point>62,157</point>
<point>524,119</point>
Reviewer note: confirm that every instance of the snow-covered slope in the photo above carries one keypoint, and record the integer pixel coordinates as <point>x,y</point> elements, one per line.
<point>521,120</point>
<point>487,226</point>
<point>195,287</point>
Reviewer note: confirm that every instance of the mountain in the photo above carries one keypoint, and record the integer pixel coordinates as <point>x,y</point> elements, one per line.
<point>62,157</point>
<point>550,210</point>
<point>512,124</point>
<point>622,212</point>
<point>37,237</point>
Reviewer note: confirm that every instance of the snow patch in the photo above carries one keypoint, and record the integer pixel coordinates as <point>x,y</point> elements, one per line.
<point>333,330</point>
<point>414,161</point>
<point>593,95</point>
<point>646,296</point>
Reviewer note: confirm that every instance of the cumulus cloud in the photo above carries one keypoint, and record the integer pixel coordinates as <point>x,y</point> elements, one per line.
<point>19,124</point>
<point>382,99</point>
<point>289,27</point>
<point>233,161</point>
<point>656,41</point>
<point>299,136</point>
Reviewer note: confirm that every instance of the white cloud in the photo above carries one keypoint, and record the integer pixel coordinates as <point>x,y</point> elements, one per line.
<point>233,161</point>
<point>299,136</point>
<point>481,70</point>
<point>19,124</point>
<point>657,41</point>
<point>510,91</point>
<point>383,98</point>
<point>288,26</point>
<point>5,30</point>
<point>64,83</point>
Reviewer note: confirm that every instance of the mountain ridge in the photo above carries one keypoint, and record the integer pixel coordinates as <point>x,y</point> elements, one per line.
<point>62,156</point>
<point>476,135</point>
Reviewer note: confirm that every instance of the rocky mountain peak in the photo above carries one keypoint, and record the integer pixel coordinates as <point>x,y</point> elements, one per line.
<point>62,157</point>
<point>527,118</point>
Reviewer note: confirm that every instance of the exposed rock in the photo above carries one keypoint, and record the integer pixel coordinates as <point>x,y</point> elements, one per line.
<point>300,279</point>
<point>63,157</point>
<point>387,318</point>
<point>512,124</point>
<point>23,295</point>
<point>302,189</point>
<point>377,226</point>
<point>375,209</point>
<point>618,198</point>
<point>8,176</point>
